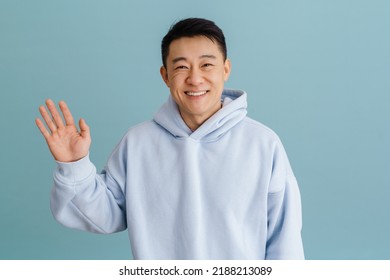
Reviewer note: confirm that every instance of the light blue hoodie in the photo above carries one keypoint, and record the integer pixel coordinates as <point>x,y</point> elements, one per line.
<point>224,191</point>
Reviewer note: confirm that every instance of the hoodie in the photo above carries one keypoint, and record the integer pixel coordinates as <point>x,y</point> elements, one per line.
<point>224,191</point>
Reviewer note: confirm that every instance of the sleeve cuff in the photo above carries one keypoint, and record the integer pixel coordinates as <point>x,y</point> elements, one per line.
<point>75,171</point>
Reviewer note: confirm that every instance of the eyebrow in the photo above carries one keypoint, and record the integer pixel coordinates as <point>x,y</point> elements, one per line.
<point>182,58</point>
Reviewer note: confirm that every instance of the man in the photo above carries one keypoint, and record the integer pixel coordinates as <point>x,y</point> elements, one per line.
<point>199,181</point>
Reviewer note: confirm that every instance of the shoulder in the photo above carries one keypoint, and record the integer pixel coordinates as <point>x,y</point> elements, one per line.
<point>256,129</point>
<point>138,136</point>
<point>141,132</point>
<point>142,128</point>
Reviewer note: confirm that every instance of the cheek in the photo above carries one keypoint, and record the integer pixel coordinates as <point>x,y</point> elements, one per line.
<point>177,79</point>
<point>217,78</point>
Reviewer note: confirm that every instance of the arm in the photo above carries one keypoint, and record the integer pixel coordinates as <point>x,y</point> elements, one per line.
<point>88,201</point>
<point>80,198</point>
<point>284,212</point>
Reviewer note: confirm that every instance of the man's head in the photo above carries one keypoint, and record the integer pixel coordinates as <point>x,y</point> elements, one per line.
<point>192,27</point>
<point>195,68</point>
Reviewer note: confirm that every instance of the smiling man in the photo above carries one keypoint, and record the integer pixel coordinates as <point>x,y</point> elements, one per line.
<point>200,181</point>
<point>195,71</point>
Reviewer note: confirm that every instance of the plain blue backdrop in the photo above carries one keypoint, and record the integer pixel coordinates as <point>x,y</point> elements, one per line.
<point>316,72</point>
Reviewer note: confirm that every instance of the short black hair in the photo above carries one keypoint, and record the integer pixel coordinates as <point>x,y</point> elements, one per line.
<point>192,27</point>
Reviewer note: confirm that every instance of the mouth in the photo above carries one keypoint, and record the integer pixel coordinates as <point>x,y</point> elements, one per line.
<point>196,93</point>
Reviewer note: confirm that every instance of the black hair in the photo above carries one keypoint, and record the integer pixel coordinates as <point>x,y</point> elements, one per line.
<point>192,27</point>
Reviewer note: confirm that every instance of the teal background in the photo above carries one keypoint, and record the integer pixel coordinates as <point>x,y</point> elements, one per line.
<point>317,72</point>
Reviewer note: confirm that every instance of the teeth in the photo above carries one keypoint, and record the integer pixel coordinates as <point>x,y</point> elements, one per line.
<point>196,93</point>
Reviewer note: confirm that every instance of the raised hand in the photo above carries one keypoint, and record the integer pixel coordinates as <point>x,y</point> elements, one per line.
<point>65,142</point>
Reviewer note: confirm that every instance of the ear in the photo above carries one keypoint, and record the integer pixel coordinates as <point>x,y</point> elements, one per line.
<point>164,75</point>
<point>227,68</point>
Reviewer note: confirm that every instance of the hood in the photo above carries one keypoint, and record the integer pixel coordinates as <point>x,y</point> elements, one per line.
<point>233,110</point>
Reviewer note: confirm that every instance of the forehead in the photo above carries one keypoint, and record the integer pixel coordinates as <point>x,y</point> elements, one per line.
<point>193,47</point>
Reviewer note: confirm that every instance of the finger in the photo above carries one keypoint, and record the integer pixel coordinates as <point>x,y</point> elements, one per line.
<point>54,112</point>
<point>47,118</point>
<point>66,112</point>
<point>42,128</point>
<point>84,129</point>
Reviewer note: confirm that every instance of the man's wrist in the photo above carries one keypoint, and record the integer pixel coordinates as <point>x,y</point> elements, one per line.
<point>76,170</point>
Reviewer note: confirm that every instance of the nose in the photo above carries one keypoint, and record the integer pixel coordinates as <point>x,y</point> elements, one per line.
<point>194,77</point>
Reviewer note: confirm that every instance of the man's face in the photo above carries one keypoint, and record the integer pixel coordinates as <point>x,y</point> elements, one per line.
<point>195,74</point>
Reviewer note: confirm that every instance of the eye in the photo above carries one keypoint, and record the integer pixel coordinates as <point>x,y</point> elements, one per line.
<point>206,65</point>
<point>180,67</point>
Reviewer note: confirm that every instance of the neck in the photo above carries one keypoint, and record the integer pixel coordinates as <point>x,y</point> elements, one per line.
<point>195,121</point>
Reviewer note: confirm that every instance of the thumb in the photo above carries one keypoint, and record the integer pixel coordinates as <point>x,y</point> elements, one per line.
<point>84,129</point>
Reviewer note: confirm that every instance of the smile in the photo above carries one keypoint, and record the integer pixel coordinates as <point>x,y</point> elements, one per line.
<point>196,93</point>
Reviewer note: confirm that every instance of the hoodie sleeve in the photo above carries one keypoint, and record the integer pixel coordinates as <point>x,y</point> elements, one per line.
<point>85,200</point>
<point>284,211</point>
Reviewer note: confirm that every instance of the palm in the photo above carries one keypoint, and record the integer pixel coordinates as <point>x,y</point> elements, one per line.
<point>65,142</point>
